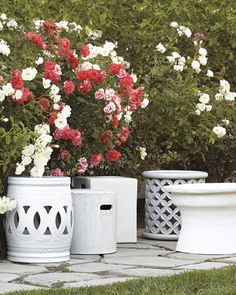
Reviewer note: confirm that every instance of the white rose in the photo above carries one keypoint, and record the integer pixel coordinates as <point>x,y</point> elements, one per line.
<point>225,121</point>
<point>54,90</point>
<point>134,76</point>
<point>178,68</point>
<point>46,83</point>
<point>2,95</point>
<point>96,67</point>
<point>144,103</point>
<point>219,96</point>
<point>143,153</point>
<point>201,107</point>
<point>198,112</point>
<point>203,60</point>
<point>128,116</point>
<point>29,74</point>
<point>174,24</point>
<point>4,48</point>
<point>26,161</point>
<point>196,66</point>
<point>219,131</point>
<point>60,122</point>
<point>160,47</point>
<point>171,59</point>
<point>208,108</point>
<point>66,111</point>
<point>37,171</point>
<point>19,169</point>
<point>187,32</point>
<point>56,98</point>
<point>202,51</point>
<point>28,150</point>
<point>3,16</point>
<point>87,65</point>
<point>39,61</point>
<point>230,96</point>
<point>210,74</point>
<point>8,89</point>
<point>224,86</point>
<point>18,94</point>
<point>204,98</point>
<point>12,24</point>
<point>176,55</point>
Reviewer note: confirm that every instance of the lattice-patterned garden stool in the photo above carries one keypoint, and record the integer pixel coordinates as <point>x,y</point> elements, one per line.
<point>40,228</point>
<point>162,217</point>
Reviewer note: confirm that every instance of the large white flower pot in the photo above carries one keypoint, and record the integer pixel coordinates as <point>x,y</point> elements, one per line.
<point>162,218</point>
<point>40,228</point>
<point>208,214</point>
<point>126,192</point>
<point>95,222</point>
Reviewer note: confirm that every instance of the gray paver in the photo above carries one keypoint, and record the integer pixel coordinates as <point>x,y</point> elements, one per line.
<point>159,262</point>
<point>146,272</point>
<point>204,265</point>
<point>48,279</point>
<point>7,277</point>
<point>88,258</point>
<point>197,257</point>
<point>19,268</point>
<point>94,267</point>
<point>139,252</point>
<point>169,245</point>
<point>103,281</point>
<point>8,287</point>
<point>230,260</point>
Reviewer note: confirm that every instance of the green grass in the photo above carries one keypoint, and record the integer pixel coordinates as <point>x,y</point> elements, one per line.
<point>212,282</point>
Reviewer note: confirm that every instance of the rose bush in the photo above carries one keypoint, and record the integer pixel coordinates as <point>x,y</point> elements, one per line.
<point>74,103</point>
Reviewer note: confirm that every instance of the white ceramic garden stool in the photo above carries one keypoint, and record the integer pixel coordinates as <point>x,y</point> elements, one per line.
<point>162,217</point>
<point>126,192</point>
<point>208,214</point>
<point>40,229</point>
<point>95,222</point>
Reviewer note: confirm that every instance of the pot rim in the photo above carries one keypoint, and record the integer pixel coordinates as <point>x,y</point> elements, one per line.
<point>175,174</point>
<point>44,180</point>
<point>201,188</point>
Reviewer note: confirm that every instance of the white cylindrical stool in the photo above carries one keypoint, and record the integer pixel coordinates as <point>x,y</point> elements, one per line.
<point>208,214</point>
<point>162,218</point>
<point>94,222</point>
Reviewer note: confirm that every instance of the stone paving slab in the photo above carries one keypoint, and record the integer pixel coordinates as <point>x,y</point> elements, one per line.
<point>147,261</point>
<point>19,268</point>
<point>146,272</point>
<point>96,267</point>
<point>51,279</point>
<point>139,252</point>
<point>8,277</point>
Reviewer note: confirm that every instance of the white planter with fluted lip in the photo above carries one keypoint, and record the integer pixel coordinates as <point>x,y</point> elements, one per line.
<point>162,217</point>
<point>208,214</point>
<point>40,228</point>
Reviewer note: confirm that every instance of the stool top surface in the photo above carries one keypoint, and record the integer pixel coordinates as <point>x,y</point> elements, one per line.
<point>175,174</point>
<point>201,188</point>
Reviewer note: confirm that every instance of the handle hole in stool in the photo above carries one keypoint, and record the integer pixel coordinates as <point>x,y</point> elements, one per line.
<point>83,185</point>
<point>105,207</point>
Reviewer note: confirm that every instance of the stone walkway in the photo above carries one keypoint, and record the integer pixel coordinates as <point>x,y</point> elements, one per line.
<point>146,258</point>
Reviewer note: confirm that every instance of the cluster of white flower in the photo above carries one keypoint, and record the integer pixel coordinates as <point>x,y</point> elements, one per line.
<point>161,48</point>
<point>224,92</point>
<point>178,61</point>
<point>143,152</point>
<point>203,104</point>
<point>6,204</point>
<point>94,35</point>
<point>88,66</point>
<point>219,131</point>
<point>181,30</point>
<point>7,90</point>
<point>5,21</point>
<point>61,120</point>
<point>4,48</point>
<point>202,60</point>
<point>38,153</point>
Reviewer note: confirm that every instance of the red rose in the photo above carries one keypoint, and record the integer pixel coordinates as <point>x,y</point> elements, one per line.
<point>69,87</point>
<point>84,50</point>
<point>96,159</point>
<point>49,65</point>
<point>65,44</point>
<point>93,75</point>
<point>115,123</point>
<point>82,75</point>
<point>35,38</point>
<point>57,172</point>
<point>44,103</point>
<point>106,137</point>
<point>17,83</point>
<point>113,155</point>
<point>115,68</point>
<point>126,82</point>
<point>52,118</point>
<point>86,86</point>
<point>63,155</point>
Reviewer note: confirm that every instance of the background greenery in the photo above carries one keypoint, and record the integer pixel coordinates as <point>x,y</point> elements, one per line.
<point>138,26</point>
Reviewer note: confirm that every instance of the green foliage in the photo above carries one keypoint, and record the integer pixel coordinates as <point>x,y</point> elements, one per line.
<point>138,26</point>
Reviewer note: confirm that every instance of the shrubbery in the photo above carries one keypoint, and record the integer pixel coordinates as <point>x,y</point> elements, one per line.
<point>173,137</point>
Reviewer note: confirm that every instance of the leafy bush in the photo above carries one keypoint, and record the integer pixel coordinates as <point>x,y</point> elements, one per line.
<point>142,24</point>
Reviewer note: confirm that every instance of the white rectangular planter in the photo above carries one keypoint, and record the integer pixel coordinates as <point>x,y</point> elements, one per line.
<point>126,190</point>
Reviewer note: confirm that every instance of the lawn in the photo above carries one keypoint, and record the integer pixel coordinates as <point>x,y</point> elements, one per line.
<point>211,282</point>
